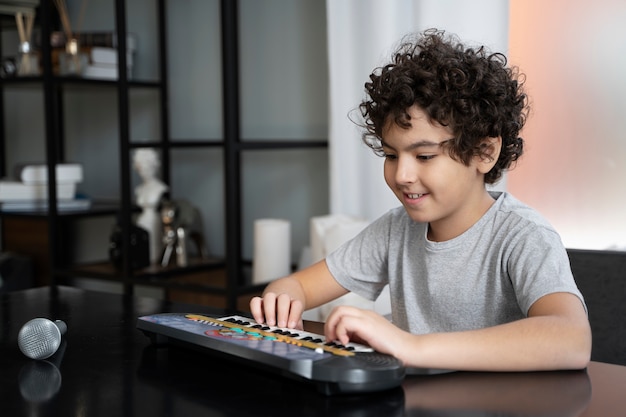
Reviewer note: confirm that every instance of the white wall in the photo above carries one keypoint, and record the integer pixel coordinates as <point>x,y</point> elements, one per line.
<point>574,168</point>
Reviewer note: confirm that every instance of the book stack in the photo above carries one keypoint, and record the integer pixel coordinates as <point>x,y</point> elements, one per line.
<point>103,62</point>
<point>29,190</point>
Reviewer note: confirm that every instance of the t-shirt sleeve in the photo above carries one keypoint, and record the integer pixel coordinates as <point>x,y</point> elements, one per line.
<point>539,265</point>
<point>360,264</point>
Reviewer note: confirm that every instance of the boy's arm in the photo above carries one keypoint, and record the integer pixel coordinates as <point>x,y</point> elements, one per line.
<point>555,335</point>
<point>284,300</point>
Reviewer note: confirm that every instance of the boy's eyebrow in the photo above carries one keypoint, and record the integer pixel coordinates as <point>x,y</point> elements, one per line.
<point>418,144</point>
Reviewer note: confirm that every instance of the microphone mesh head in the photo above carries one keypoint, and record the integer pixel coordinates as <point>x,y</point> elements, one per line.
<point>39,338</point>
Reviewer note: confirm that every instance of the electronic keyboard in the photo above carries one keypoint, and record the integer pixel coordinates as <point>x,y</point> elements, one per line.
<point>333,368</point>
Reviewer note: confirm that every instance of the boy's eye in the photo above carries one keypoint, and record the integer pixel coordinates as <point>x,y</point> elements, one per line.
<point>425,157</point>
<point>390,156</point>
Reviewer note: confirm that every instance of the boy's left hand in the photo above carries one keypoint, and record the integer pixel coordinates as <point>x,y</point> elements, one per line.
<point>346,324</point>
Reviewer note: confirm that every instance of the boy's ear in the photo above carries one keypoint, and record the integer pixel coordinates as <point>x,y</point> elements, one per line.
<point>490,148</point>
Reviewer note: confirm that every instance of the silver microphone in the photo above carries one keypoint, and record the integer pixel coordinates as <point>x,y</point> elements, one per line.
<point>40,338</point>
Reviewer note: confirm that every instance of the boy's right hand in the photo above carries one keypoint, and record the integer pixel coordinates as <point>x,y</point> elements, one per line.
<point>277,310</point>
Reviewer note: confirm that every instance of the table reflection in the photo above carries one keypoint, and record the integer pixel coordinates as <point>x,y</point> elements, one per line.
<point>557,394</point>
<point>187,381</point>
<point>212,384</point>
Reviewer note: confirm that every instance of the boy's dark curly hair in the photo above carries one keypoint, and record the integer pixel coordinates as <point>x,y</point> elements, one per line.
<point>471,91</point>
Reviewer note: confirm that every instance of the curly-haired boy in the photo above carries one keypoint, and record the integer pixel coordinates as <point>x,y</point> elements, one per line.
<point>478,280</point>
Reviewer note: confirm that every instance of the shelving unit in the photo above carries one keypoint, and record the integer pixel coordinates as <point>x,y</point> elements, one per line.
<point>235,282</point>
<point>53,87</point>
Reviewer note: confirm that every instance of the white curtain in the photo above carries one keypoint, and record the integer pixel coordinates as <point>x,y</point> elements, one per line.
<point>361,36</point>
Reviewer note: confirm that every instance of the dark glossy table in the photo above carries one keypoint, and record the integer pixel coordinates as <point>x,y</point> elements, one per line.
<point>108,368</point>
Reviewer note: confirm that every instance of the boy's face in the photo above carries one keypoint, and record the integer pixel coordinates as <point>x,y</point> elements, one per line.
<point>432,186</point>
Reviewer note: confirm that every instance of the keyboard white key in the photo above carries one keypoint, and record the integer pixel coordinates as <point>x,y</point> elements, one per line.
<point>293,333</point>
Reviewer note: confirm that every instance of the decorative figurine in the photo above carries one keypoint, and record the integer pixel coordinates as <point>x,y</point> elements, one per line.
<point>148,196</point>
<point>181,222</point>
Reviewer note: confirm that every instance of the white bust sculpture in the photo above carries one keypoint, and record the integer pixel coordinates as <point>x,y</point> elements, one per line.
<point>148,195</point>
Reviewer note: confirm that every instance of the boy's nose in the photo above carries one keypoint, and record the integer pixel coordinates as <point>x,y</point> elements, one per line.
<point>406,171</point>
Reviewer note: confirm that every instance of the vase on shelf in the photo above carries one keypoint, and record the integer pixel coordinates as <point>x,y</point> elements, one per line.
<point>72,61</point>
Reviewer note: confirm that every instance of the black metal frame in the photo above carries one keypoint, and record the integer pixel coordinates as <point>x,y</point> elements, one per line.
<point>232,159</point>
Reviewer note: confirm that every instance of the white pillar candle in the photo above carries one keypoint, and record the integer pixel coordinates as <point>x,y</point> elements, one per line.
<point>272,250</point>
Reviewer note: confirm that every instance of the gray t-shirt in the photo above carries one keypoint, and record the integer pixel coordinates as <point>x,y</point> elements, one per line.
<point>489,275</point>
